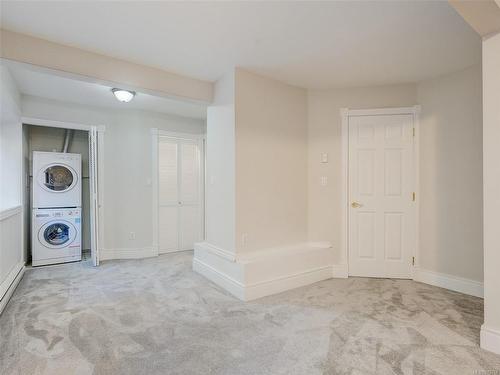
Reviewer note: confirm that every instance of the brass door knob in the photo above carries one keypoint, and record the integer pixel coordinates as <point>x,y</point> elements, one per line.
<point>356,205</point>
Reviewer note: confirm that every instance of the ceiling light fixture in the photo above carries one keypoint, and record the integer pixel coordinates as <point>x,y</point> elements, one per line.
<point>123,95</point>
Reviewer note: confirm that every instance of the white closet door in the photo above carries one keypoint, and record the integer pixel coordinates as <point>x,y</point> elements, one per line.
<point>382,211</point>
<point>190,219</point>
<point>168,191</point>
<point>179,179</point>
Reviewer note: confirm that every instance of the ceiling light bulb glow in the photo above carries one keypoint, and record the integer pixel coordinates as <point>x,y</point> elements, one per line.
<point>123,95</point>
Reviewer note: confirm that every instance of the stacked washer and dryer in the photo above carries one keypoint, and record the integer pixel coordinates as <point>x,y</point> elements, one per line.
<point>57,207</point>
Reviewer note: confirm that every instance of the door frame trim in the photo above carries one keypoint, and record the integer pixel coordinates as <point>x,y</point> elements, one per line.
<point>345,113</point>
<point>155,134</point>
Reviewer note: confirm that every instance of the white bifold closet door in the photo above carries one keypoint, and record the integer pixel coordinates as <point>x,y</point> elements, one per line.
<point>179,193</point>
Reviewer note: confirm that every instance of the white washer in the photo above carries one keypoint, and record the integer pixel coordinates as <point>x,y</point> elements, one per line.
<point>57,180</point>
<point>56,236</point>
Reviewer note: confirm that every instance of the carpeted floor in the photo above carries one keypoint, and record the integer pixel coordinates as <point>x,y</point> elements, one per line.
<point>156,316</point>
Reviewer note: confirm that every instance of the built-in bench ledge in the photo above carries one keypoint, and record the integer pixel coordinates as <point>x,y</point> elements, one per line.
<point>268,271</point>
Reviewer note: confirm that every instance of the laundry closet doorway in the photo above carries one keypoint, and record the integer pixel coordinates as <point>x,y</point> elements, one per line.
<point>95,176</point>
<point>178,180</point>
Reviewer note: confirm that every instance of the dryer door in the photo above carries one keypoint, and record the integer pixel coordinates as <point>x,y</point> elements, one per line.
<point>57,178</point>
<point>57,234</point>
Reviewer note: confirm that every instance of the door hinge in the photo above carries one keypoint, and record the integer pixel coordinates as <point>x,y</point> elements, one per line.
<point>412,261</point>
<point>413,131</point>
<point>413,196</point>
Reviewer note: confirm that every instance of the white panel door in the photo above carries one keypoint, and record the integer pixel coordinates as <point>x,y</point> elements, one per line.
<point>381,186</point>
<point>179,193</point>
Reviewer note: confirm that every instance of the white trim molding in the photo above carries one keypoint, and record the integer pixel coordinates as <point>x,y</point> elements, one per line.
<point>344,195</point>
<point>490,339</point>
<point>382,111</point>
<point>61,124</point>
<point>128,253</point>
<point>155,188</point>
<point>220,278</point>
<point>340,271</point>
<point>5,214</point>
<point>228,255</point>
<point>455,283</point>
<point>284,283</point>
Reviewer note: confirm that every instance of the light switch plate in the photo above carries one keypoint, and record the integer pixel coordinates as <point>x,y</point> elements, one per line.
<point>324,157</point>
<point>324,180</point>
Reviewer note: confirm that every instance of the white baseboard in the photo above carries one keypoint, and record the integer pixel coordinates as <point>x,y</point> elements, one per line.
<point>128,253</point>
<point>259,274</point>
<point>217,250</point>
<point>281,284</point>
<point>490,339</point>
<point>340,271</point>
<point>232,286</point>
<point>10,284</point>
<point>455,283</point>
<point>163,252</point>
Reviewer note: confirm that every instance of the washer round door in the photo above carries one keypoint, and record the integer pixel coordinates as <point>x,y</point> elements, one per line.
<point>57,178</point>
<point>57,234</point>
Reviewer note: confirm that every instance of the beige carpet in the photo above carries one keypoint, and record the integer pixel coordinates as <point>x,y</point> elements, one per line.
<point>156,316</point>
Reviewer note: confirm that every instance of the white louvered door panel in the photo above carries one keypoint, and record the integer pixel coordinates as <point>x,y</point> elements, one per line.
<point>168,172</point>
<point>382,211</point>
<point>168,191</point>
<point>190,219</point>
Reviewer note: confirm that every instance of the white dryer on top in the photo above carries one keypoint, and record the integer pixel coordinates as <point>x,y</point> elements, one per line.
<point>57,180</point>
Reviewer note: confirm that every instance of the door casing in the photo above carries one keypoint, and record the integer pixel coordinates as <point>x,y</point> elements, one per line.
<point>345,113</point>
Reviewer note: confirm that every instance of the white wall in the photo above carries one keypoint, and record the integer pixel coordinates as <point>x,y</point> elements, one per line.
<point>10,142</point>
<point>220,163</point>
<point>127,166</point>
<point>451,212</point>
<point>271,163</point>
<point>11,235</point>
<point>490,333</point>
<point>324,136</point>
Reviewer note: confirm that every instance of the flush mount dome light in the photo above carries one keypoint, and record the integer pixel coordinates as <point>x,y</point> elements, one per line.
<point>123,95</point>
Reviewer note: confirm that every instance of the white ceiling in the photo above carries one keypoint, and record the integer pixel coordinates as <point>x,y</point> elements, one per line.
<point>309,44</point>
<point>38,83</point>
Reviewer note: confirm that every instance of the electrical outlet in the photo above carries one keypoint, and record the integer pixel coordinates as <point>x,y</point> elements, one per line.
<point>131,236</point>
<point>324,180</point>
<point>244,238</point>
<point>324,157</point>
